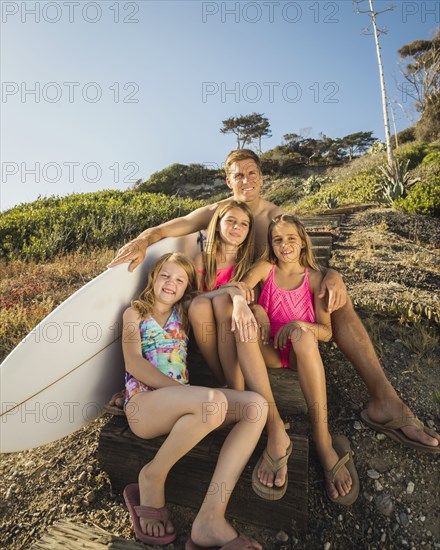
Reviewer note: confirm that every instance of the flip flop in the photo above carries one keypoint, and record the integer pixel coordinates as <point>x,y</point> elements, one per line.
<point>263,491</point>
<point>132,500</point>
<point>342,447</point>
<point>241,542</point>
<point>392,429</point>
<point>113,409</point>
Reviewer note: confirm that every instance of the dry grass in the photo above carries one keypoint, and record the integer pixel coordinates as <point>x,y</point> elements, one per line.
<point>29,291</point>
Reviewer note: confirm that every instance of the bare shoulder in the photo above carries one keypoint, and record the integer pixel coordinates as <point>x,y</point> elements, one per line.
<point>131,316</point>
<point>315,278</point>
<point>272,209</point>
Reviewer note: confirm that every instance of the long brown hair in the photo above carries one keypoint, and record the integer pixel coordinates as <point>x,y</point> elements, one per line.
<point>144,305</point>
<point>245,252</point>
<point>306,256</point>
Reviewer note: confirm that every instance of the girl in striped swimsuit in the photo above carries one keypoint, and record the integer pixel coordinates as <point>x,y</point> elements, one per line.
<point>292,319</point>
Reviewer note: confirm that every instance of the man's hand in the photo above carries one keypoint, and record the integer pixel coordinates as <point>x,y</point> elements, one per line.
<point>133,252</point>
<point>337,291</point>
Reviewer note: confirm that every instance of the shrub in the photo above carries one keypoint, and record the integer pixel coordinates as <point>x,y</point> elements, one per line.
<point>54,225</point>
<point>424,198</point>
<point>175,178</point>
<point>413,152</point>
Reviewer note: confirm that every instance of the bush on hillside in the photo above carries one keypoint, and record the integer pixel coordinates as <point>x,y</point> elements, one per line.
<point>174,178</point>
<point>49,226</point>
<point>413,152</point>
<point>356,189</point>
<point>424,198</point>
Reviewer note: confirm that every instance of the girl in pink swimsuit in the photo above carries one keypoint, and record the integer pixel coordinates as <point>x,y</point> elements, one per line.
<point>227,257</point>
<point>159,401</point>
<point>292,319</point>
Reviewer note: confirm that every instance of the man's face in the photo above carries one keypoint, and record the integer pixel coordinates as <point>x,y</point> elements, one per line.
<point>245,180</point>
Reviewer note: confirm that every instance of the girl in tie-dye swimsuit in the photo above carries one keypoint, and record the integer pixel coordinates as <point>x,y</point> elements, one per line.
<point>292,318</point>
<point>160,401</point>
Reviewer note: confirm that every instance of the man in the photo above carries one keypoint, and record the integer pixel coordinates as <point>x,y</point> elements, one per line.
<point>386,412</point>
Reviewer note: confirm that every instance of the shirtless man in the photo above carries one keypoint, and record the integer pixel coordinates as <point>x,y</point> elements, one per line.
<point>386,412</point>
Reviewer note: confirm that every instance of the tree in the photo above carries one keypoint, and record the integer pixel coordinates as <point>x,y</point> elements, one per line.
<point>247,128</point>
<point>376,32</point>
<point>356,144</point>
<point>422,71</point>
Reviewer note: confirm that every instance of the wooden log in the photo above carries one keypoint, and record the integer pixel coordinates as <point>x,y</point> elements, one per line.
<point>66,535</point>
<point>122,455</point>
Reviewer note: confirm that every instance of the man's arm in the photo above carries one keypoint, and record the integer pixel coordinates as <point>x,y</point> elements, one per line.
<point>134,251</point>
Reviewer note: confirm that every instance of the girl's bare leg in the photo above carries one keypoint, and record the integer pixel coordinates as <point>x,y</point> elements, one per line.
<point>227,349</point>
<point>311,376</point>
<point>255,374</point>
<point>249,411</point>
<point>192,414</point>
<point>203,323</point>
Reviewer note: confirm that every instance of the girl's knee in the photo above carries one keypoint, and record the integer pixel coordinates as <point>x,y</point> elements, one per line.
<point>199,306</point>
<point>304,341</point>
<point>256,408</point>
<point>214,408</point>
<point>222,305</point>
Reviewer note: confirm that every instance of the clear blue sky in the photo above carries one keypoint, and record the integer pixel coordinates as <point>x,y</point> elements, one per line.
<point>123,89</point>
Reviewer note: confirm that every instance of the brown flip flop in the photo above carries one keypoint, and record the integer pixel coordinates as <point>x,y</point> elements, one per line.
<point>392,429</point>
<point>342,447</point>
<point>263,491</point>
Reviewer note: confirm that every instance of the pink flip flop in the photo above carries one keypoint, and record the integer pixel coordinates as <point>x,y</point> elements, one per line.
<point>132,500</point>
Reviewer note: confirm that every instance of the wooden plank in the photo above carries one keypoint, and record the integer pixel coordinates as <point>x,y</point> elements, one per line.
<point>189,480</point>
<point>66,535</point>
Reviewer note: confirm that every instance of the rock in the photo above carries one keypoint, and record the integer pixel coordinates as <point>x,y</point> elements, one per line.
<point>282,536</point>
<point>383,537</point>
<point>340,517</point>
<point>368,497</point>
<point>91,496</point>
<point>327,546</point>
<point>373,474</point>
<point>422,518</point>
<point>378,486</point>
<point>384,505</point>
<point>89,468</point>
<point>404,520</point>
<point>381,437</point>
<point>357,425</point>
<point>410,488</point>
<point>82,475</point>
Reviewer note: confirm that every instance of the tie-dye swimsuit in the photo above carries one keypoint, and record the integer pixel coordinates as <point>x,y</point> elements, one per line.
<point>283,306</point>
<point>164,347</point>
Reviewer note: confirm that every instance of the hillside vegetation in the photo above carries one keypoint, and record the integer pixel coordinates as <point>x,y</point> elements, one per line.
<point>51,226</point>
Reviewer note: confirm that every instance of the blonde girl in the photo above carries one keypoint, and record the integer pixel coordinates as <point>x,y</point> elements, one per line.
<point>293,319</point>
<point>159,401</point>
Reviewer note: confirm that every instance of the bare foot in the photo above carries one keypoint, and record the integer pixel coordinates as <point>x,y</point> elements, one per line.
<point>342,482</point>
<point>152,494</point>
<point>277,443</point>
<point>391,408</point>
<point>212,530</point>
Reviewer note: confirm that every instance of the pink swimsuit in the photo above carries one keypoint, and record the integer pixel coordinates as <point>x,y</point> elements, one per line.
<point>283,306</point>
<point>223,276</point>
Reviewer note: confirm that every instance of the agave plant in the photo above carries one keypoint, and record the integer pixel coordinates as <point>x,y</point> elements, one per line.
<point>397,181</point>
<point>331,201</point>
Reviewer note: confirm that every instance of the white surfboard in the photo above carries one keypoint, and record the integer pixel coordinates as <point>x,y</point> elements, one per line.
<point>63,372</point>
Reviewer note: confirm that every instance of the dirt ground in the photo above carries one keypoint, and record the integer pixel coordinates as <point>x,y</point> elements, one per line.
<point>383,255</point>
